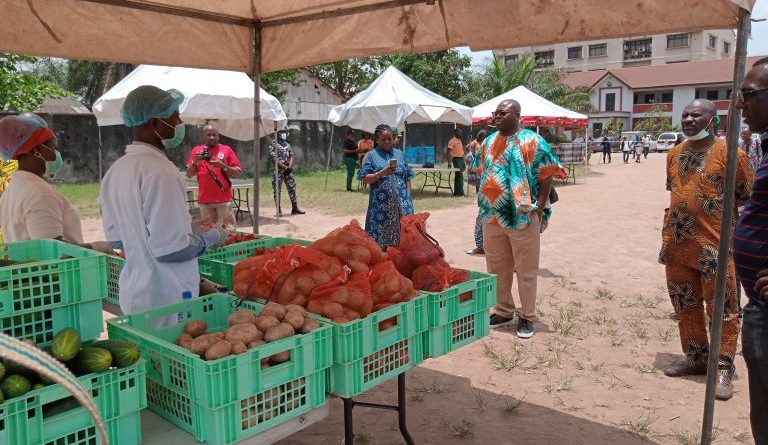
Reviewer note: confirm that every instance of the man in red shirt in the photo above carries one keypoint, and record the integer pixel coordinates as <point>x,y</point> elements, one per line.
<point>214,164</point>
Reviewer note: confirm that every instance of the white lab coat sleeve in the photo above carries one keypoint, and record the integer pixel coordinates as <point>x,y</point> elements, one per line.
<point>165,214</point>
<point>111,233</point>
<point>43,216</point>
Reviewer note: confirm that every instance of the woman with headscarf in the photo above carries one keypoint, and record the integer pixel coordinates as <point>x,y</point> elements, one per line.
<point>389,177</point>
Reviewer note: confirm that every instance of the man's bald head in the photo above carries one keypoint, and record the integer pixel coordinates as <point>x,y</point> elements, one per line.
<point>210,135</point>
<point>697,116</point>
<point>507,116</point>
<point>509,103</point>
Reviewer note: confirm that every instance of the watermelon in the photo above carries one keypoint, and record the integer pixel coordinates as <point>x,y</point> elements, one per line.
<point>15,386</point>
<point>124,353</point>
<point>66,344</point>
<point>90,360</point>
<point>2,370</point>
<point>2,397</point>
<point>38,386</point>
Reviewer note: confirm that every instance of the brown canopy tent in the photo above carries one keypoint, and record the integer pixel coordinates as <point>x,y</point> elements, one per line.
<point>269,35</point>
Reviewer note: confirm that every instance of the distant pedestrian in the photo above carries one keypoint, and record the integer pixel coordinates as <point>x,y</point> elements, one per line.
<point>364,145</point>
<point>282,154</point>
<point>473,178</point>
<point>456,160</point>
<point>606,145</point>
<point>751,148</point>
<point>349,148</point>
<point>646,146</point>
<point>639,148</point>
<point>626,149</point>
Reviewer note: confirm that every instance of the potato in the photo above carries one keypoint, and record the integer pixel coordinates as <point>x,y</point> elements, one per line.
<point>184,340</point>
<point>256,344</point>
<point>195,328</point>
<point>241,316</point>
<point>296,307</point>
<point>243,332</point>
<point>281,357</point>
<point>219,335</point>
<point>278,332</point>
<point>310,324</point>
<point>295,319</point>
<point>221,349</point>
<point>238,347</point>
<point>201,344</point>
<point>274,309</point>
<point>266,322</point>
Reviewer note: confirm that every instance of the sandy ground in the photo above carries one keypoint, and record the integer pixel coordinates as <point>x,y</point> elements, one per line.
<point>591,375</point>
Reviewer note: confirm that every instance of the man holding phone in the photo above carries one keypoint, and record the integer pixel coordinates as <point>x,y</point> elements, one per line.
<point>214,164</point>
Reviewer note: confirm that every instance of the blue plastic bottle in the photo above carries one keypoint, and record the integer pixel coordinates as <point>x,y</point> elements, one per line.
<point>186,297</point>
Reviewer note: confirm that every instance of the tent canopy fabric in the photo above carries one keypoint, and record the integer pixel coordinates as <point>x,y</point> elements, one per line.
<point>393,99</point>
<point>219,34</point>
<point>534,110</point>
<point>223,97</point>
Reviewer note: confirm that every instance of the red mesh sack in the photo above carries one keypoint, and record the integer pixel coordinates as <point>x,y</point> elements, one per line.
<point>416,247</point>
<point>352,245</point>
<point>286,275</point>
<point>430,278</point>
<point>389,286</point>
<point>342,303</point>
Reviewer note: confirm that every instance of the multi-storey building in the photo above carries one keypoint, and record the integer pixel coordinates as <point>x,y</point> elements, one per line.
<point>631,51</point>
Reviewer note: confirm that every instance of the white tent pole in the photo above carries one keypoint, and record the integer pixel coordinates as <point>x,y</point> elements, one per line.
<point>405,136</point>
<point>278,187</point>
<point>256,123</point>
<point>328,160</point>
<point>101,165</point>
<point>716,331</point>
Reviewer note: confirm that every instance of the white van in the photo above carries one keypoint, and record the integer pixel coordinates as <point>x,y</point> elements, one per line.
<point>667,141</point>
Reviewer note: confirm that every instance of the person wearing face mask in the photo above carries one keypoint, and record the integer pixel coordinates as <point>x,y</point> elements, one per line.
<point>143,203</point>
<point>389,177</point>
<point>690,240</point>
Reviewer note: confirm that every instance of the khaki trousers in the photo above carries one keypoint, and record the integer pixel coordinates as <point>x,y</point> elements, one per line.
<point>509,253</point>
<point>220,213</point>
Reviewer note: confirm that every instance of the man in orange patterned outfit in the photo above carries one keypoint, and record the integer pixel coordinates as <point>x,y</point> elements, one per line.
<point>691,234</point>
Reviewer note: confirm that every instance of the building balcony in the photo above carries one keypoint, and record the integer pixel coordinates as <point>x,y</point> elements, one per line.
<point>647,108</point>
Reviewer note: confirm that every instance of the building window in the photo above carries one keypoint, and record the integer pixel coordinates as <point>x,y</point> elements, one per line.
<point>636,99</point>
<point>637,49</point>
<point>712,95</point>
<point>574,52</point>
<point>610,102</point>
<point>726,48</point>
<point>598,50</point>
<point>650,99</point>
<point>510,59</point>
<point>666,98</point>
<point>678,41</point>
<point>712,42</point>
<point>545,59</point>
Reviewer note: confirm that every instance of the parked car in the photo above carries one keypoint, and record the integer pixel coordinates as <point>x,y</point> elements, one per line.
<point>597,144</point>
<point>630,135</point>
<point>667,141</point>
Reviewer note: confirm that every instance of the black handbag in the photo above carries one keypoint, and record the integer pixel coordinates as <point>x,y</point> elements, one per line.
<point>553,198</point>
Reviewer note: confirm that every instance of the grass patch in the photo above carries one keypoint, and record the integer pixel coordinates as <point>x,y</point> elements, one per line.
<point>642,426</point>
<point>604,294</point>
<point>742,436</point>
<point>512,406</point>
<point>503,361</point>
<point>310,194</point>
<point>463,429</point>
<point>684,437</point>
<point>566,323</point>
<point>667,334</point>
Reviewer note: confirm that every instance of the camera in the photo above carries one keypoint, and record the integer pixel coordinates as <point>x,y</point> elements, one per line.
<point>206,155</point>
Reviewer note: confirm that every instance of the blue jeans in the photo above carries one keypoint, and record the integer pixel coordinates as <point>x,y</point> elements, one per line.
<point>754,341</point>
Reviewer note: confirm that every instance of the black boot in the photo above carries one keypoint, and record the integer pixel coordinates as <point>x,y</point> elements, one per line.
<point>296,210</point>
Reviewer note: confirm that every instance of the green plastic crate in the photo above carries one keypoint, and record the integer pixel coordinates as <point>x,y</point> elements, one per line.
<point>241,419</point>
<point>49,282</point>
<point>114,267</point>
<point>454,323</point>
<point>218,265</point>
<point>218,383</point>
<point>42,325</point>
<point>356,377</point>
<point>51,415</point>
<point>445,307</point>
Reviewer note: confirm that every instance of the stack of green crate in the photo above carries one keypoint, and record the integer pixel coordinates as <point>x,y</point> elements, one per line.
<point>454,323</point>
<point>226,400</point>
<point>218,265</point>
<point>364,355</point>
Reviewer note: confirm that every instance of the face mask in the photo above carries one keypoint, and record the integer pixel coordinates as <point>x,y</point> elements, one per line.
<point>704,133</point>
<point>179,131</point>
<point>281,136</point>
<point>52,167</point>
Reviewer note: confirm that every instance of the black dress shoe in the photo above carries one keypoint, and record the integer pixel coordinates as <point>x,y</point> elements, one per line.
<point>297,211</point>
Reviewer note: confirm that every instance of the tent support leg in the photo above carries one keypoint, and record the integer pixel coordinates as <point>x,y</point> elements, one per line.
<point>725,230</point>
<point>328,160</point>
<point>256,72</point>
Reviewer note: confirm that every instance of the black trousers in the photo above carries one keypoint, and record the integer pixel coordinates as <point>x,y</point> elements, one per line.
<point>754,343</point>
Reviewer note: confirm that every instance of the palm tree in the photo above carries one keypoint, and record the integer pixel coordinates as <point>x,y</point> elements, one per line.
<point>86,80</point>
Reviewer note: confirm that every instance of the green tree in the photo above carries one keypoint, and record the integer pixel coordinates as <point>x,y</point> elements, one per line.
<point>19,90</point>
<point>348,77</point>
<point>273,82</point>
<point>443,72</point>
<point>85,79</point>
<point>655,122</point>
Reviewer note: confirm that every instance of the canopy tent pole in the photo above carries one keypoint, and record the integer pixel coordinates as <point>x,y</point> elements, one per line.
<point>276,186</point>
<point>101,160</point>
<point>405,136</point>
<point>716,331</point>
<point>256,72</point>
<point>328,160</point>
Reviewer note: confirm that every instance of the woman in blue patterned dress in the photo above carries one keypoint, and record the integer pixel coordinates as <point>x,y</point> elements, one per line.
<point>389,177</point>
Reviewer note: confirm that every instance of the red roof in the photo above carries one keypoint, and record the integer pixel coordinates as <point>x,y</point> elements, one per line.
<point>672,74</point>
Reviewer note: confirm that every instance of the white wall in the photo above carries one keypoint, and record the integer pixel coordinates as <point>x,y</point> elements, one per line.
<point>681,96</point>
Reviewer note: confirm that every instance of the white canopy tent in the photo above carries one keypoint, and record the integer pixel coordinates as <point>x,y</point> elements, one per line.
<point>224,97</point>
<point>396,100</point>
<point>271,35</point>
<point>535,110</point>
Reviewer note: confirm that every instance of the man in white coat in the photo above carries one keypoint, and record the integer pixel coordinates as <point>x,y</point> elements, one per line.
<point>143,205</point>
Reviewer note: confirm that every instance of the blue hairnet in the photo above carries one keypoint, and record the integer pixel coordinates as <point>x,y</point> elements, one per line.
<point>147,102</point>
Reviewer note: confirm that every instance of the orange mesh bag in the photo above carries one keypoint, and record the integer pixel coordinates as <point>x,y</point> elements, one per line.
<point>436,278</point>
<point>416,247</point>
<point>342,303</point>
<point>352,245</point>
<point>288,274</point>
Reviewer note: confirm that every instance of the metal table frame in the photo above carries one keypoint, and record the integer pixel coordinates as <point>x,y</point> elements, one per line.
<point>241,204</point>
<point>433,178</point>
<point>350,404</point>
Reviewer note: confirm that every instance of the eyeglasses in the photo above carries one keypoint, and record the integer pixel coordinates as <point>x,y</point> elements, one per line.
<point>500,113</point>
<point>744,95</point>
